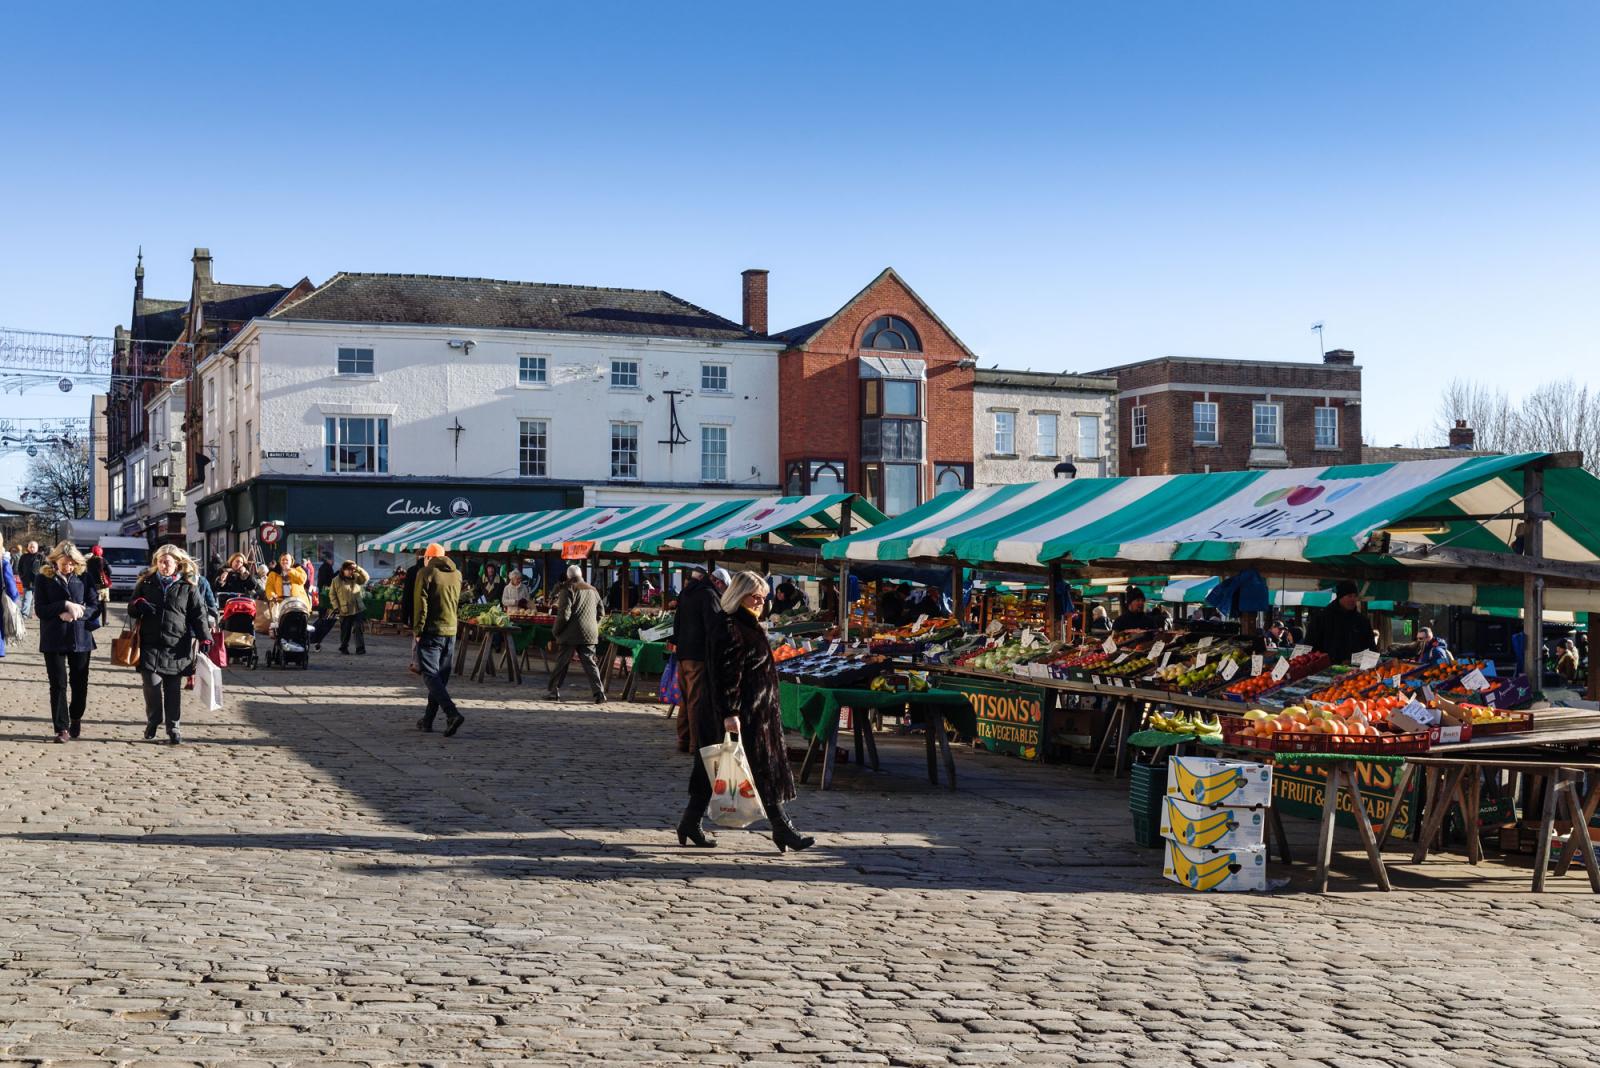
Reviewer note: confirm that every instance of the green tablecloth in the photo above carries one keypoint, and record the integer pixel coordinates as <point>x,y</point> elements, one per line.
<point>534,634</point>
<point>650,658</point>
<point>811,710</point>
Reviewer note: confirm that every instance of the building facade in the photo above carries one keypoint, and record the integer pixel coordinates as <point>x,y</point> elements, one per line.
<point>99,478</point>
<point>377,399</point>
<point>1032,426</point>
<point>160,509</point>
<point>1177,415</point>
<point>875,399</point>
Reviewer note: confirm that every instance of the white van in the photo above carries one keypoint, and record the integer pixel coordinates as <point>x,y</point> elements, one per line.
<point>127,558</point>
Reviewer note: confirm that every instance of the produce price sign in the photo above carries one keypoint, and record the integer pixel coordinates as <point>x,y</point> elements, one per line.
<point>576,550</point>
<point>1257,662</point>
<point>1280,669</point>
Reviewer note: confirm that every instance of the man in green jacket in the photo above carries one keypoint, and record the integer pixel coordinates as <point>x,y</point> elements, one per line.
<point>344,596</point>
<point>433,621</point>
<point>577,633</point>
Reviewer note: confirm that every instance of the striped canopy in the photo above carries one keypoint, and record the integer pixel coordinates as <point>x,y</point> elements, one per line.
<point>1196,590</point>
<point>786,520</point>
<point>1322,514</point>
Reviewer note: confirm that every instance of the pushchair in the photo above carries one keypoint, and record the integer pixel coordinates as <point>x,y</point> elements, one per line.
<point>239,630</point>
<point>291,643</point>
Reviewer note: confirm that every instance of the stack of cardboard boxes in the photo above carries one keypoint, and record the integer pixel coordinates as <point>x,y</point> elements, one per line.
<point>1214,822</point>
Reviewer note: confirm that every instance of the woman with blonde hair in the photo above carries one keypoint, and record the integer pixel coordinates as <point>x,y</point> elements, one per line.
<point>68,610</point>
<point>746,696</point>
<point>172,622</point>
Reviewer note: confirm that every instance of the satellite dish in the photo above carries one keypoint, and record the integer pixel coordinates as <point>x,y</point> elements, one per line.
<point>64,385</point>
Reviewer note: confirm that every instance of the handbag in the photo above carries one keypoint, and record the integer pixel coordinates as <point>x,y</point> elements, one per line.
<point>208,683</point>
<point>219,649</point>
<point>125,648</point>
<point>669,692</point>
<point>14,626</point>
<point>734,801</point>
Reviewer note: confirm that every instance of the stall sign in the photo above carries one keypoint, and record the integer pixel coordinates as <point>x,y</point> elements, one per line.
<point>1298,790</point>
<point>1010,717</point>
<point>576,550</point>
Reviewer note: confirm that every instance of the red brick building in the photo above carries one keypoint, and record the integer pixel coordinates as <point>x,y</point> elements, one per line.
<point>1178,414</point>
<point>874,399</point>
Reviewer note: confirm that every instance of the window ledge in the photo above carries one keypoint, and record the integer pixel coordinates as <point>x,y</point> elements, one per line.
<point>1046,458</point>
<point>533,385</point>
<point>358,376</point>
<point>1328,448</point>
<point>1208,444</point>
<point>627,389</point>
<point>1002,456</point>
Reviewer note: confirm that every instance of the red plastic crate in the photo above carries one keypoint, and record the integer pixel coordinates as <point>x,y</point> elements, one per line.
<point>1306,742</point>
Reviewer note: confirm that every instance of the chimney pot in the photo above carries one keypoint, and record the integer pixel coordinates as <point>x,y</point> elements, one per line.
<point>1463,436</point>
<point>1340,356</point>
<point>755,300</point>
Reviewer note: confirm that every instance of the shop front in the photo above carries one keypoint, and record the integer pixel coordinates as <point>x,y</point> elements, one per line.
<point>316,516</point>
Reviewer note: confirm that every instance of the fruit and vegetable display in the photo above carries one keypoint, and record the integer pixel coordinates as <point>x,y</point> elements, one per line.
<point>1185,723</point>
<point>485,615</point>
<point>629,624</point>
<point>832,669</point>
<point>1319,729</point>
<point>1299,667</point>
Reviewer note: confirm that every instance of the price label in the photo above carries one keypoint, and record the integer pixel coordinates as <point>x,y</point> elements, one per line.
<point>1205,643</point>
<point>1299,651</point>
<point>1200,661</point>
<point>1427,693</point>
<point>1109,645</point>
<point>1020,669</point>
<point>1474,680</point>
<point>1164,658</point>
<point>1230,668</point>
<point>1394,680</point>
<point>1029,638</point>
<point>1366,659</point>
<point>1120,658</point>
<point>922,619</point>
<point>1257,662</point>
<point>1280,669</point>
<point>1156,649</point>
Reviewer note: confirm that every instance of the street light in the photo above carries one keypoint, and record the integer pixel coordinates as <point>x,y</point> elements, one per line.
<point>1066,469</point>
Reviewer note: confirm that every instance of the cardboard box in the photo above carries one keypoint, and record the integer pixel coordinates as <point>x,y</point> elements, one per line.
<point>1216,870</point>
<point>1222,827</point>
<point>1205,781</point>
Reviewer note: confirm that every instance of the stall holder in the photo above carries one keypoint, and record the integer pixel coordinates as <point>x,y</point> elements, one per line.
<point>814,711</point>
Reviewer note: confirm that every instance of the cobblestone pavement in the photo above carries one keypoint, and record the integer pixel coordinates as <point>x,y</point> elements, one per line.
<point>314,879</point>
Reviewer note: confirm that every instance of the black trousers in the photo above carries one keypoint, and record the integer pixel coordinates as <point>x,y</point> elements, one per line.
<point>435,657</point>
<point>353,624</point>
<point>585,655</point>
<point>699,787</point>
<point>162,694</point>
<point>67,670</point>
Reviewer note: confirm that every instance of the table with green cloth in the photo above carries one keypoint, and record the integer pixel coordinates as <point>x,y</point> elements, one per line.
<point>648,658</point>
<point>814,712</point>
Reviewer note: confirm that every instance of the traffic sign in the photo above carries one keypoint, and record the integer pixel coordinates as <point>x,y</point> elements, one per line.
<point>270,533</point>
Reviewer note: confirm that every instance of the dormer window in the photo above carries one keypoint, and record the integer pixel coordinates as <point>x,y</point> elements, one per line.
<point>892,334</point>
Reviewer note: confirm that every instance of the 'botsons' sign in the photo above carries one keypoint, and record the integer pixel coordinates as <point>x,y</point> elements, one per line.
<point>1010,718</point>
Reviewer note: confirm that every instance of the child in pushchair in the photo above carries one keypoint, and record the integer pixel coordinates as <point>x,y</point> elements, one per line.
<point>292,641</point>
<point>239,629</point>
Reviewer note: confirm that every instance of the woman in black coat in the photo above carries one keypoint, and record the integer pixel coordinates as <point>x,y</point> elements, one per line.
<point>172,621</point>
<point>238,578</point>
<point>68,610</point>
<point>747,698</point>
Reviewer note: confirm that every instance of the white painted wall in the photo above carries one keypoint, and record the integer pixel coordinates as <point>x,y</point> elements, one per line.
<point>286,385</point>
<point>1034,461</point>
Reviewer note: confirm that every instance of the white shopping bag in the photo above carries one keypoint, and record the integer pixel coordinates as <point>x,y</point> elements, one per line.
<point>734,801</point>
<point>208,683</point>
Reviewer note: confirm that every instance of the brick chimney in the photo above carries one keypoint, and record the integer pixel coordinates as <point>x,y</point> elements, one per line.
<point>755,300</point>
<point>1463,436</point>
<point>1342,356</point>
<point>202,265</point>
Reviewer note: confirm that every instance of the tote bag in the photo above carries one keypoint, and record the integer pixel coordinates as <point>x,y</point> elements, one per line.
<point>125,648</point>
<point>208,684</point>
<point>734,801</point>
<point>14,628</point>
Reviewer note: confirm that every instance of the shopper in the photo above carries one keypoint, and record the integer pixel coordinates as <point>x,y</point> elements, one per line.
<point>346,594</point>
<point>577,633</point>
<point>238,579</point>
<point>166,603</point>
<point>1432,650</point>
<point>1099,620</point>
<point>285,581</point>
<point>97,575</point>
<point>1135,615</point>
<point>434,622</point>
<point>69,608</point>
<point>1567,661</point>
<point>8,592</point>
<point>515,592</point>
<point>1342,630</point>
<point>696,630</point>
<point>325,584</point>
<point>747,700</point>
<point>408,591</point>
<point>213,616</point>
<point>27,570</point>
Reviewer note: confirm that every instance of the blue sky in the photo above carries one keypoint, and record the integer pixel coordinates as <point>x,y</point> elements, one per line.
<point>1070,185</point>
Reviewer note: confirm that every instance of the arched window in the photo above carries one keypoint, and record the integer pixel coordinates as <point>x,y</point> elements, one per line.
<point>889,332</point>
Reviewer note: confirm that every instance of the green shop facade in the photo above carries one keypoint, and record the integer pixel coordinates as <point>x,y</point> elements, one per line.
<point>315,515</point>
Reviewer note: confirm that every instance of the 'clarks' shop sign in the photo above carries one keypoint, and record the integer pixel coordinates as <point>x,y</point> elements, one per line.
<point>373,509</point>
<point>458,508</point>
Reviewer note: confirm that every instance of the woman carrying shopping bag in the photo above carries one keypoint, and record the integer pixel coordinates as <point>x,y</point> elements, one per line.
<point>68,610</point>
<point>172,622</point>
<point>10,605</point>
<point>745,694</point>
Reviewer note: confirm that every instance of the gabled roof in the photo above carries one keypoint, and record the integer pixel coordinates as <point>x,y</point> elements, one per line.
<point>436,300</point>
<point>798,336</point>
<point>243,307</point>
<point>992,376</point>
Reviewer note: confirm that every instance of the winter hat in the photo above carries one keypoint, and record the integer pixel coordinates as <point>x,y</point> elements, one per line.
<point>1345,587</point>
<point>722,576</point>
<point>98,551</point>
<point>434,550</point>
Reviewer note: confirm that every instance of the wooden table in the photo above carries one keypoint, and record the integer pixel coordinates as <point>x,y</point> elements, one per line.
<point>818,709</point>
<point>1454,781</point>
<point>488,654</point>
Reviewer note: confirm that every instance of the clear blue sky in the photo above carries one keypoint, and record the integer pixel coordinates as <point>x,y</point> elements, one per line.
<point>1070,185</point>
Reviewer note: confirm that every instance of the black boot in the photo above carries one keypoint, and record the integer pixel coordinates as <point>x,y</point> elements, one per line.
<point>150,728</point>
<point>689,828</point>
<point>784,836</point>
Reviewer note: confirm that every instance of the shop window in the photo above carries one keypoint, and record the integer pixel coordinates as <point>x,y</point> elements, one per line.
<point>533,441</point>
<point>892,334</point>
<point>532,371</point>
<point>356,445</point>
<point>1088,437</point>
<point>1205,423</point>
<point>1268,424</point>
<point>355,361</point>
<point>713,454</point>
<point>951,478</point>
<point>1327,428</point>
<point>1005,433</point>
<point>624,450</point>
<point>1139,423</point>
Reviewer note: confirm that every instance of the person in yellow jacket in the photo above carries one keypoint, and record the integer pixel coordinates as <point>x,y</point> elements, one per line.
<point>287,581</point>
<point>345,598</point>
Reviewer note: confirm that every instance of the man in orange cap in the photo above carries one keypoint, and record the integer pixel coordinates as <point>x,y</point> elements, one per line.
<point>433,621</point>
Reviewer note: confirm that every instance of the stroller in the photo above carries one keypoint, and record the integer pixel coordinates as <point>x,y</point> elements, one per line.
<point>292,641</point>
<point>239,630</point>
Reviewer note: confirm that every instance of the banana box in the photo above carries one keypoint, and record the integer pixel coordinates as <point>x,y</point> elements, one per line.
<point>1206,781</point>
<point>1216,870</point>
<point>1197,826</point>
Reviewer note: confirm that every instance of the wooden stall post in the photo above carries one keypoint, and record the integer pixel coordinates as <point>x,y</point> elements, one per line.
<point>1052,603</point>
<point>1533,585</point>
<point>846,514</point>
<point>957,601</point>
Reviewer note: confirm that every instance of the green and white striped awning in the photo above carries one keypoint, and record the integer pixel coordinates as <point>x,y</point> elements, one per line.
<point>1196,590</point>
<point>797,521</point>
<point>516,532</point>
<point>1321,514</point>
